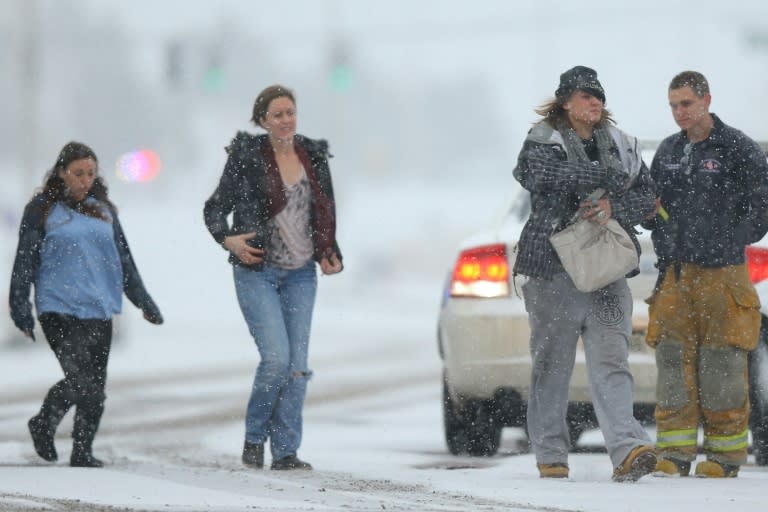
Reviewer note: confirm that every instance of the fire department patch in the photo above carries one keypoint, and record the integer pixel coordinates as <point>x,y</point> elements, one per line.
<point>711,165</point>
<point>608,309</point>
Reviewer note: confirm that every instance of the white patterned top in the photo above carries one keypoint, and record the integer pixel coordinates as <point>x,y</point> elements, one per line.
<point>290,242</point>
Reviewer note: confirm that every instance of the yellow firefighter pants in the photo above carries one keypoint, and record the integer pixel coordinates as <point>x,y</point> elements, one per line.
<point>702,323</point>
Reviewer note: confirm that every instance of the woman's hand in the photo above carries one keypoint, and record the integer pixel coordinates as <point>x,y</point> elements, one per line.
<point>597,211</point>
<point>238,245</point>
<point>331,265</point>
<point>153,317</point>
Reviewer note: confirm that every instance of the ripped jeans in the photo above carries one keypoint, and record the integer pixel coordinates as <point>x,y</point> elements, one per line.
<point>277,305</point>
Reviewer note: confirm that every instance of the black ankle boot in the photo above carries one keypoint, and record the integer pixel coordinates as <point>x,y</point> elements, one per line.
<point>84,459</point>
<point>86,424</point>
<point>253,455</point>
<point>42,437</point>
<point>290,462</point>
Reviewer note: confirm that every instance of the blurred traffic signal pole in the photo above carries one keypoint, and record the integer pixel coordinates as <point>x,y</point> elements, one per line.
<point>30,91</point>
<point>174,65</point>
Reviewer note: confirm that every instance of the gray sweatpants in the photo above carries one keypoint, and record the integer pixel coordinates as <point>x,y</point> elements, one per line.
<point>558,314</point>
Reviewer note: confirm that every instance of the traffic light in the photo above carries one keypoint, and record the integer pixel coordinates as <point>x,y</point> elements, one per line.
<point>341,75</point>
<point>214,74</point>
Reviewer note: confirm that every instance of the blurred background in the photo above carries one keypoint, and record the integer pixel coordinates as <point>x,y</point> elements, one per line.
<point>425,105</point>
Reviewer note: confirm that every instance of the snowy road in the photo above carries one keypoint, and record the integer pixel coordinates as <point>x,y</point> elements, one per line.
<point>172,440</point>
<point>172,431</point>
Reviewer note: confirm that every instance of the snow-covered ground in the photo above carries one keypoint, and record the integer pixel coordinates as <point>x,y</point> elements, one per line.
<point>172,431</point>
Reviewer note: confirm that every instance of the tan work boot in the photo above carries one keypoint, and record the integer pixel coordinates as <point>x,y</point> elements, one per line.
<point>712,469</point>
<point>555,470</point>
<point>640,462</point>
<point>672,467</point>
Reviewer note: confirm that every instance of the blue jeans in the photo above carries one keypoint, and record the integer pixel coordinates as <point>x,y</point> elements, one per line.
<point>277,305</point>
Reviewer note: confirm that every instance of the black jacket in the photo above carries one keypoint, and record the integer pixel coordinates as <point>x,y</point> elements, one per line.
<point>716,195</point>
<point>27,265</point>
<point>242,190</point>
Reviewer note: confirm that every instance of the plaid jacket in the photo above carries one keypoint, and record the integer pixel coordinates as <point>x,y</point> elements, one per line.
<point>558,186</point>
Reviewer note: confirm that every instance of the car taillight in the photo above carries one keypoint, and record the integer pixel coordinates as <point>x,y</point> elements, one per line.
<point>481,272</point>
<point>757,263</point>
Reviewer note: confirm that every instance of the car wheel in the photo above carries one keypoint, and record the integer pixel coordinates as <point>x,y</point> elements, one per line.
<point>454,425</point>
<point>758,394</point>
<point>473,430</point>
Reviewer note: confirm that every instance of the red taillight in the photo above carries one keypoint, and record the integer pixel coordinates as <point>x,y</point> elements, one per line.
<point>757,263</point>
<point>481,272</point>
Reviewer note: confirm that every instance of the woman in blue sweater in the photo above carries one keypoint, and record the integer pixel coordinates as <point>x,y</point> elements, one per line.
<point>74,252</point>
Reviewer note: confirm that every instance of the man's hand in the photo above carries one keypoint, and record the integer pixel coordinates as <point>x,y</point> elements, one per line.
<point>655,210</point>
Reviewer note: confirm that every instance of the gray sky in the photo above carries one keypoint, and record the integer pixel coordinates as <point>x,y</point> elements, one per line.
<point>521,47</point>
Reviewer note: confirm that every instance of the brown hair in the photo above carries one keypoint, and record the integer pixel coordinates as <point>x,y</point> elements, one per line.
<point>692,79</point>
<point>554,114</point>
<point>265,97</point>
<point>54,189</point>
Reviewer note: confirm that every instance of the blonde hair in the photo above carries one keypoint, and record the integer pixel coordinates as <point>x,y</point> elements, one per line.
<point>553,112</point>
